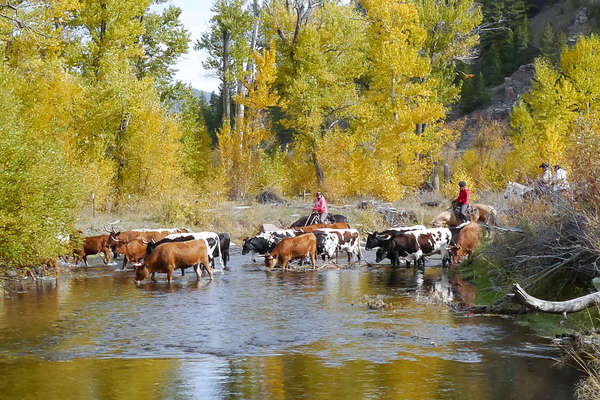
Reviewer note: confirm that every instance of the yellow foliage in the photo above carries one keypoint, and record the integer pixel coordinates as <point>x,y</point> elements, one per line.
<point>241,150</point>
<point>542,123</point>
<point>488,163</point>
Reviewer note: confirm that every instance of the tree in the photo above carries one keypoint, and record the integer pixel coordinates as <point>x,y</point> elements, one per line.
<point>493,67</point>
<point>320,58</point>
<point>241,149</point>
<point>452,36</point>
<point>541,122</point>
<point>227,46</point>
<point>39,191</point>
<point>398,135</point>
<point>164,40</point>
<point>547,43</point>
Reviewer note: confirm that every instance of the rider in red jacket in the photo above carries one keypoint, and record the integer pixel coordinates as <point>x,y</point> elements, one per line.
<point>463,199</point>
<point>320,207</point>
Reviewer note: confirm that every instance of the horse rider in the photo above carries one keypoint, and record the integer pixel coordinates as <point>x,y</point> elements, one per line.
<point>545,181</point>
<point>463,200</point>
<point>320,207</point>
<point>560,185</point>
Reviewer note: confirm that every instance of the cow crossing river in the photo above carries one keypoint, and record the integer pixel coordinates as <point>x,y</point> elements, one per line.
<point>253,334</point>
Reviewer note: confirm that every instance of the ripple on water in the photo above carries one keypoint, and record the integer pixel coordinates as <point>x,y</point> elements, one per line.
<point>250,320</point>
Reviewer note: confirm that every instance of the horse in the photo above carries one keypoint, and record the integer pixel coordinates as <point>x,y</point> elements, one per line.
<point>314,219</point>
<point>517,191</point>
<point>481,213</point>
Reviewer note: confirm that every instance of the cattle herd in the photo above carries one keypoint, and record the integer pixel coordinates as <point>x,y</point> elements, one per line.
<point>166,250</point>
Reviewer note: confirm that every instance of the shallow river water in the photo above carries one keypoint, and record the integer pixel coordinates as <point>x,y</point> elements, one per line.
<point>94,334</point>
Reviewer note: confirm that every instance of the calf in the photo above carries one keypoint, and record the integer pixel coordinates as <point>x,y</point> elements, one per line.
<point>170,256</point>
<point>93,245</point>
<point>348,240</point>
<point>266,241</point>
<point>293,248</point>
<point>465,242</point>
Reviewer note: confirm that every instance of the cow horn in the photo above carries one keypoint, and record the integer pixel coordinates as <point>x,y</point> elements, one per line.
<point>143,241</point>
<point>384,237</point>
<point>368,232</point>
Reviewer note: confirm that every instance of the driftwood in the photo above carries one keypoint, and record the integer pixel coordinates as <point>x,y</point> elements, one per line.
<point>502,228</point>
<point>556,307</point>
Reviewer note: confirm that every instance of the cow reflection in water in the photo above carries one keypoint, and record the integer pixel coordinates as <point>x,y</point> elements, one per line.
<point>446,288</point>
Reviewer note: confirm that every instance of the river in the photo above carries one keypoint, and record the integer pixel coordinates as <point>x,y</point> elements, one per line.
<point>94,334</point>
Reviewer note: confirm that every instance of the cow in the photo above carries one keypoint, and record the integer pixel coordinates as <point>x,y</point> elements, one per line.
<point>170,256</point>
<point>265,241</point>
<point>327,244</point>
<point>373,242</point>
<point>225,242</point>
<point>94,245</point>
<point>213,243</point>
<point>465,242</point>
<point>133,252</point>
<point>292,248</point>
<point>148,235</point>
<point>348,240</point>
<point>412,245</point>
<point>314,227</point>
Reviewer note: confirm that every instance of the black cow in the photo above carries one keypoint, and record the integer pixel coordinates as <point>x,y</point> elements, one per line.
<point>264,242</point>
<point>225,241</point>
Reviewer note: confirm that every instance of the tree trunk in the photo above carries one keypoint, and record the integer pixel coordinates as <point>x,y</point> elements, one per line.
<point>556,307</point>
<point>318,168</point>
<point>226,89</point>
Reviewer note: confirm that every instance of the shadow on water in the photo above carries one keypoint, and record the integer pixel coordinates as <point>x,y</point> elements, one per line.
<point>256,334</point>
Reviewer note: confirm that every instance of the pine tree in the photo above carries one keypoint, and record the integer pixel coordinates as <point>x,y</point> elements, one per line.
<point>492,66</point>
<point>483,97</point>
<point>547,45</point>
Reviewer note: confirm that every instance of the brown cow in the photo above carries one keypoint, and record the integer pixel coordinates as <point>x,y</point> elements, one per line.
<point>292,248</point>
<point>169,256</point>
<point>121,238</point>
<point>314,227</point>
<point>133,252</point>
<point>93,245</point>
<point>466,241</point>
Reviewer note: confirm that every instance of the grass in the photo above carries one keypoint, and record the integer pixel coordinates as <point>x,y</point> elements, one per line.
<point>239,218</point>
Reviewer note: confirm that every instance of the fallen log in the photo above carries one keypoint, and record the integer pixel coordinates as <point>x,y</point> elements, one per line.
<point>556,307</point>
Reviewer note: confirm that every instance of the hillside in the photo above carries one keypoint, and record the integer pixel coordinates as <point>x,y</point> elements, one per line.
<point>573,21</point>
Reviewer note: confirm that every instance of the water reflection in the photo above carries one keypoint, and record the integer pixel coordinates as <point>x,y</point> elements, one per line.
<point>251,334</point>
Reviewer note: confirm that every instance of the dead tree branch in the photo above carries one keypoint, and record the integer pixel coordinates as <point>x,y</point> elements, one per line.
<point>556,307</point>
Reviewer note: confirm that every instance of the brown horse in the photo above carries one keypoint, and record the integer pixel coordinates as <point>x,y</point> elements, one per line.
<point>481,213</point>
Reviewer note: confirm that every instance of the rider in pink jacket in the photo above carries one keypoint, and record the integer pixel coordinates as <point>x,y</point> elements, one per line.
<point>320,207</point>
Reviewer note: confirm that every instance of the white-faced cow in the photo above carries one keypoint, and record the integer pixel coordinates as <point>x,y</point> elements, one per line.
<point>348,240</point>
<point>327,244</point>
